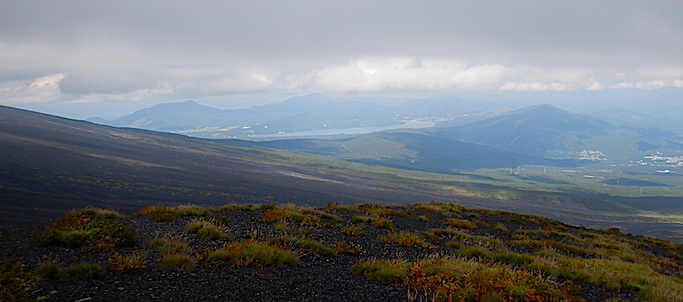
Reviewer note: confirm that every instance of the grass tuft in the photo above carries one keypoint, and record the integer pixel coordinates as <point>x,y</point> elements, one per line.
<point>181,262</point>
<point>381,270</point>
<point>76,230</point>
<point>209,229</point>
<point>247,252</point>
<point>314,246</point>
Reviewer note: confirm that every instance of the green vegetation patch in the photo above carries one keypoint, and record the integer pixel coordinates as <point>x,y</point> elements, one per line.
<point>168,214</point>
<point>240,207</point>
<point>246,252</point>
<point>459,223</point>
<point>381,270</point>
<point>353,229</point>
<point>405,238</point>
<point>76,230</point>
<point>439,207</point>
<point>209,229</point>
<point>340,207</point>
<point>101,213</point>
<point>479,281</point>
<point>14,281</point>
<point>348,248</point>
<point>310,245</point>
<point>177,262</point>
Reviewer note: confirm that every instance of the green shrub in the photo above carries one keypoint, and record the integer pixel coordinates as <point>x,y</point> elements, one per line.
<point>405,238</point>
<point>363,219</point>
<point>281,226</point>
<point>75,230</point>
<point>474,251</point>
<point>423,218</point>
<point>501,228</point>
<point>174,247</point>
<point>218,255</point>
<point>49,271</point>
<point>101,213</point>
<point>177,261</point>
<point>14,281</point>
<point>381,270</point>
<point>383,224</point>
<point>513,258</point>
<point>126,264</point>
<point>156,242</point>
<point>339,207</point>
<point>348,248</point>
<point>353,230</point>
<point>310,245</point>
<point>239,207</point>
<point>207,229</point>
<point>308,231</point>
<point>85,271</point>
<point>246,252</point>
<point>439,207</point>
<point>458,223</point>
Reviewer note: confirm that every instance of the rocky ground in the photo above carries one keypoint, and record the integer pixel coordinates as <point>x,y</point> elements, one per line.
<point>314,278</point>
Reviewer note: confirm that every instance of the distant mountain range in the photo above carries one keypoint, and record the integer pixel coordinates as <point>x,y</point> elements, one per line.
<point>548,131</point>
<point>670,118</point>
<point>465,135</point>
<point>538,135</point>
<point>311,112</point>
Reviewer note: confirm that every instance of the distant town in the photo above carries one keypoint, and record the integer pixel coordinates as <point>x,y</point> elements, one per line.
<point>659,159</point>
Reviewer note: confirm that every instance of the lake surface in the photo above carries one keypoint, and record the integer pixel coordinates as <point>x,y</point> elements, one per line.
<point>354,130</point>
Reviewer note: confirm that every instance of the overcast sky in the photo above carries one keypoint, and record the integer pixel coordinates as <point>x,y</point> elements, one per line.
<point>116,54</point>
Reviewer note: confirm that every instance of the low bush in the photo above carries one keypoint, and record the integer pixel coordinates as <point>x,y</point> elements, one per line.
<point>353,230</point>
<point>101,213</point>
<point>513,258</point>
<point>168,214</point>
<point>405,238</point>
<point>310,245</point>
<point>281,226</point>
<point>177,262</point>
<point>306,232</point>
<point>247,252</point>
<point>14,281</point>
<point>209,229</point>
<point>447,279</point>
<point>363,219</point>
<point>291,216</point>
<point>439,207</point>
<point>156,242</point>
<point>85,271</point>
<point>75,230</point>
<point>381,270</point>
<point>49,271</point>
<point>458,223</point>
<point>348,248</point>
<point>501,228</point>
<point>126,264</point>
<point>339,207</point>
<point>239,207</point>
<point>174,246</point>
<point>383,224</point>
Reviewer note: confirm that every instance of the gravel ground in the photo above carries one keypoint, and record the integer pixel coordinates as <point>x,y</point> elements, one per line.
<point>314,278</point>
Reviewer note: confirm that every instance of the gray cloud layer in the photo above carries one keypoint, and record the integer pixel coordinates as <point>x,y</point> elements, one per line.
<point>82,51</point>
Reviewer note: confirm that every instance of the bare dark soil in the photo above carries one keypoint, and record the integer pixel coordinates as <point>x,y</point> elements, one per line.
<point>314,278</point>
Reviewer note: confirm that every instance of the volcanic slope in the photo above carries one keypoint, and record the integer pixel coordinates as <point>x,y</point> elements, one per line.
<point>50,164</point>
